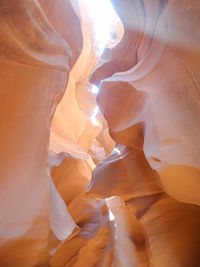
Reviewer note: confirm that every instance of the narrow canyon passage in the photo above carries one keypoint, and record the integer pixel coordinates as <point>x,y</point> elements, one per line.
<point>99,133</point>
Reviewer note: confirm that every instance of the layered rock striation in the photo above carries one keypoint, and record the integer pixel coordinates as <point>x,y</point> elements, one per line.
<point>120,190</point>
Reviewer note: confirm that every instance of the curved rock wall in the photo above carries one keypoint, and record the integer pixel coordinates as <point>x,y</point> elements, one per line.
<point>131,182</point>
<point>35,63</point>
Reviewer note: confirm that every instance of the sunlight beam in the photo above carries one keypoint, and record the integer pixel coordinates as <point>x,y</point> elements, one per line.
<point>93,116</point>
<point>104,20</point>
<point>94,89</point>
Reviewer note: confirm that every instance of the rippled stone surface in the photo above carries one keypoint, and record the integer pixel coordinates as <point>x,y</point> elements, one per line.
<point>120,190</point>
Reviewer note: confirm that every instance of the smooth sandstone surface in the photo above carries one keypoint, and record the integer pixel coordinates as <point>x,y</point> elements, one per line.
<point>120,190</point>
<point>35,64</point>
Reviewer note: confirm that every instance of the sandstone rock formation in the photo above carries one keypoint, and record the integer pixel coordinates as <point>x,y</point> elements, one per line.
<point>123,188</point>
<point>35,63</point>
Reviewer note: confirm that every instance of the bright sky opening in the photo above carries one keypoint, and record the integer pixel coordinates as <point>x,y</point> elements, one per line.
<point>111,215</point>
<point>93,116</point>
<point>104,20</point>
<point>94,89</point>
<point>117,150</point>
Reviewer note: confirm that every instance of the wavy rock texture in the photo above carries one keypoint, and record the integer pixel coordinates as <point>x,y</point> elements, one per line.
<point>131,182</point>
<point>153,106</point>
<point>35,62</point>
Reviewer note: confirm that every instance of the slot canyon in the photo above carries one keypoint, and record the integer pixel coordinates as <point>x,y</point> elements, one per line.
<point>99,133</point>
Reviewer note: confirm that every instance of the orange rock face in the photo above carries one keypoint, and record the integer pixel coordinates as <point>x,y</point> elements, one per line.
<point>35,64</point>
<point>119,189</point>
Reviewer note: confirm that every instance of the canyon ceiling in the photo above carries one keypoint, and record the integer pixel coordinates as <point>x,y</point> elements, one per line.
<point>99,148</point>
